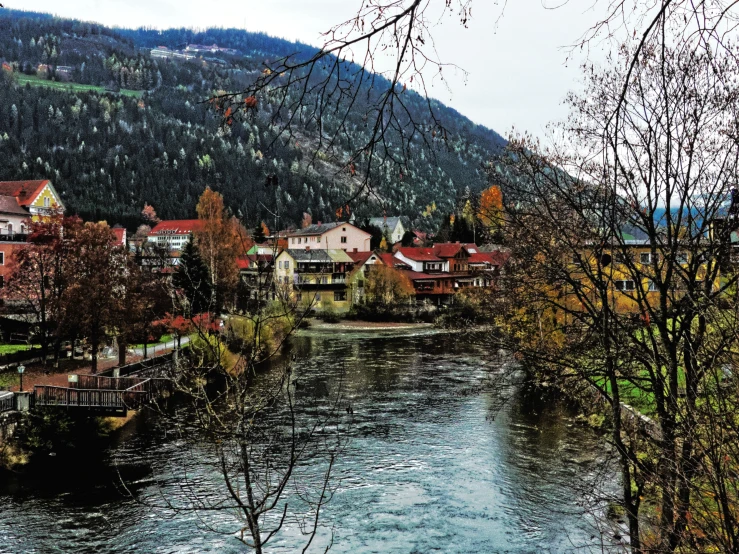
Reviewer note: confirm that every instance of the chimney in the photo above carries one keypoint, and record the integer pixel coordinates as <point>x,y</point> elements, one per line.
<point>356,249</point>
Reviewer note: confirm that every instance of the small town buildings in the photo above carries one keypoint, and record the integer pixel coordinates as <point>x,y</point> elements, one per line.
<point>422,260</point>
<point>257,275</point>
<point>330,236</point>
<point>174,234</point>
<point>317,279</point>
<point>20,203</point>
<point>391,227</point>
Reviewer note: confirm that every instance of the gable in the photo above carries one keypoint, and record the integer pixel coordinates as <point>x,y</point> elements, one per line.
<point>47,192</point>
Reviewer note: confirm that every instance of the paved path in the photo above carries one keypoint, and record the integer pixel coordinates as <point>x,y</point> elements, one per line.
<point>155,349</point>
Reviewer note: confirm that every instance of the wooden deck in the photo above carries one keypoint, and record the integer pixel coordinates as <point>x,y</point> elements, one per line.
<point>101,394</point>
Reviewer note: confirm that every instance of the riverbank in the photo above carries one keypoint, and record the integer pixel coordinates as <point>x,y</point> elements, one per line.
<point>350,325</point>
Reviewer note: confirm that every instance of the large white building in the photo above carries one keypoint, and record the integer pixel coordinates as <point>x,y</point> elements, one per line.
<point>330,236</point>
<point>173,235</point>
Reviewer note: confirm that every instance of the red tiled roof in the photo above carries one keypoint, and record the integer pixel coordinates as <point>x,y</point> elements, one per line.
<point>24,191</point>
<point>176,226</point>
<point>391,261</point>
<point>447,249</point>
<point>359,257</point>
<point>120,236</point>
<point>419,254</point>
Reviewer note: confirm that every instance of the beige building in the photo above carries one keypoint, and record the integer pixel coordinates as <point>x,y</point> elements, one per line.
<point>315,278</point>
<point>330,236</point>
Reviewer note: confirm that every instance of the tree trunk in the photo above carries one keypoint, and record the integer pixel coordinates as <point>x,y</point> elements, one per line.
<point>121,350</point>
<point>95,343</point>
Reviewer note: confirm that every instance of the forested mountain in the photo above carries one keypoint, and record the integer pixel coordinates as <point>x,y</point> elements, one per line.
<point>156,141</point>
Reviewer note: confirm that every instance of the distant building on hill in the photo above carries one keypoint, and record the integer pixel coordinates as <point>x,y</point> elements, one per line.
<point>392,227</point>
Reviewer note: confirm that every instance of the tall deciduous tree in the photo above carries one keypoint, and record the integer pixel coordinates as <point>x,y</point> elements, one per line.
<point>97,282</point>
<point>616,298</point>
<point>41,274</point>
<point>220,240</point>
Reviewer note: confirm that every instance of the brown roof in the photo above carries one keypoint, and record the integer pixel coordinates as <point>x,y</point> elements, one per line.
<point>24,191</point>
<point>9,205</point>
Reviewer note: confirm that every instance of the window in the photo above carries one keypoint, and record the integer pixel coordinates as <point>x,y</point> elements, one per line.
<point>47,202</point>
<point>2,281</point>
<point>647,258</point>
<point>343,240</point>
<point>293,240</point>
<point>622,257</point>
<point>652,287</point>
<point>318,297</point>
<point>575,259</point>
<point>339,296</point>
<point>681,258</point>
<point>324,280</point>
<point>300,240</point>
<point>2,258</point>
<point>319,239</point>
<point>624,285</point>
<point>287,264</point>
<point>10,228</point>
<point>343,229</point>
<point>279,265</point>
<point>360,284</point>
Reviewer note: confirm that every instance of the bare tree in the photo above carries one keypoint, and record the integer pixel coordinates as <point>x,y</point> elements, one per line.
<point>622,291</point>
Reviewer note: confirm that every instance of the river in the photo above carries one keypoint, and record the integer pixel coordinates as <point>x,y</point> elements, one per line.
<point>434,461</point>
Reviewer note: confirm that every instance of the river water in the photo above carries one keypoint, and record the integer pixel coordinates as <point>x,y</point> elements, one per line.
<point>434,460</point>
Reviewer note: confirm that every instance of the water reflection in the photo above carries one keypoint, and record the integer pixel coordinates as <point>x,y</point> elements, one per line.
<point>432,465</point>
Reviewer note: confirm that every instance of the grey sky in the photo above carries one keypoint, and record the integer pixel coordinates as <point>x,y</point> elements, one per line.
<point>518,74</point>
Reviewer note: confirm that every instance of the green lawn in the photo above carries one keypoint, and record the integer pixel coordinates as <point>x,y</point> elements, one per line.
<point>13,348</point>
<point>36,81</point>
<point>162,339</point>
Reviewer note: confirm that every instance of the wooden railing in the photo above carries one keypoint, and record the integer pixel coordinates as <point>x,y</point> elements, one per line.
<point>88,398</point>
<point>98,382</point>
<point>92,391</point>
<point>7,402</point>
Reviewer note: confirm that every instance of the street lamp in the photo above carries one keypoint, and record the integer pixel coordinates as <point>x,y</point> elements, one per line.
<point>21,369</point>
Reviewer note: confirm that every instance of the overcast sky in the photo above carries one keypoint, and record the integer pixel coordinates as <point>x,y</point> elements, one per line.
<point>518,71</point>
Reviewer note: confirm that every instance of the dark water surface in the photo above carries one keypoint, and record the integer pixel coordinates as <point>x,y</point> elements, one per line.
<point>433,464</point>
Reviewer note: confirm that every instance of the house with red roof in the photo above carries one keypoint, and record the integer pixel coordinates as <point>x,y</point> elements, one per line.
<point>20,203</point>
<point>422,260</point>
<point>173,235</point>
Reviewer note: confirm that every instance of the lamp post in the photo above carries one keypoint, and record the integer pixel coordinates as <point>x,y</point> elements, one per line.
<point>21,369</point>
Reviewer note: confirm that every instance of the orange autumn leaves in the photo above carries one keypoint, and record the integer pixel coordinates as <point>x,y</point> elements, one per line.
<point>490,210</point>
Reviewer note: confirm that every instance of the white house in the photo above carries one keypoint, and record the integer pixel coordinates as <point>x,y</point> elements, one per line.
<point>330,236</point>
<point>392,227</point>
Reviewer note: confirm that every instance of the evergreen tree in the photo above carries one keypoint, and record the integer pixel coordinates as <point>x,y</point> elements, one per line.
<point>258,235</point>
<point>192,279</point>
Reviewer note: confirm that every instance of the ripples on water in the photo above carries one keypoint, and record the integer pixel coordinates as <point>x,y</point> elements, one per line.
<point>432,465</point>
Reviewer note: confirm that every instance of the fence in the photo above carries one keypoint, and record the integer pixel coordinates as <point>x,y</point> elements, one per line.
<point>7,402</point>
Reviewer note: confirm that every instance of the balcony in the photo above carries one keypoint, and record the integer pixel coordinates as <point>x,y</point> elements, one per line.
<point>13,237</point>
